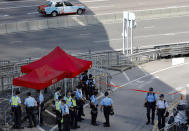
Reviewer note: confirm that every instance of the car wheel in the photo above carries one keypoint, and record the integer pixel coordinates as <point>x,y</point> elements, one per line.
<point>54,13</point>
<point>79,11</point>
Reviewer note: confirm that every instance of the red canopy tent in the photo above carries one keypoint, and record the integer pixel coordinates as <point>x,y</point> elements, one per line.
<point>61,61</point>
<point>39,78</point>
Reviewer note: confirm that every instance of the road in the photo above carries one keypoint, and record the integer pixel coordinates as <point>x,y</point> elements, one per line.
<point>27,9</point>
<point>130,115</point>
<point>95,38</point>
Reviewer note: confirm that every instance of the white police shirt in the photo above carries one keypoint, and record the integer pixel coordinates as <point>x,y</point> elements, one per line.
<point>162,104</point>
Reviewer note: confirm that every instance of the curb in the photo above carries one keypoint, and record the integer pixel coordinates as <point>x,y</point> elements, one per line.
<point>69,21</point>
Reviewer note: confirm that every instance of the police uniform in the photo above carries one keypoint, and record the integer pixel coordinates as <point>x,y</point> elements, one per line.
<point>107,105</point>
<point>80,103</point>
<point>56,95</point>
<point>66,117</point>
<point>40,101</point>
<point>73,114</point>
<point>30,103</point>
<point>90,86</point>
<point>68,100</point>
<point>59,118</point>
<point>15,102</point>
<point>161,108</point>
<point>83,79</point>
<point>150,105</point>
<point>94,111</point>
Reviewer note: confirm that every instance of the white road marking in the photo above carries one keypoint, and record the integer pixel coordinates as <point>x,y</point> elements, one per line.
<point>144,36</point>
<point>158,71</point>
<point>148,27</point>
<point>4,15</point>
<point>79,21</point>
<point>138,79</point>
<point>14,7</point>
<point>96,7</point>
<point>16,1</point>
<point>50,113</point>
<point>53,128</point>
<point>41,129</point>
<point>90,1</point>
<point>31,13</point>
<point>85,34</point>
<point>126,76</point>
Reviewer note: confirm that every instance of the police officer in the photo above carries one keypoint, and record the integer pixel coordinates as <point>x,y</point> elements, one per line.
<point>80,102</point>
<point>40,103</point>
<point>30,104</point>
<point>94,110</point>
<point>150,104</point>
<point>57,93</point>
<point>83,79</point>
<point>68,98</point>
<point>162,107</point>
<point>66,115</point>
<point>73,112</point>
<point>59,118</point>
<point>90,85</point>
<point>16,106</point>
<point>106,105</point>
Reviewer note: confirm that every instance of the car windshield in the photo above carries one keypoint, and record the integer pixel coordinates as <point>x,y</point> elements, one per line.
<point>49,3</point>
<point>67,3</point>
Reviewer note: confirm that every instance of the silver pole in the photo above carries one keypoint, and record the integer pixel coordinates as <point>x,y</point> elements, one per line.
<point>123,35</point>
<point>39,108</point>
<point>72,83</point>
<point>127,45</point>
<point>65,86</point>
<point>12,90</point>
<point>131,36</point>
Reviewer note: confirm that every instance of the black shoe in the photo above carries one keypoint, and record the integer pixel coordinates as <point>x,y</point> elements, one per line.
<point>30,126</point>
<point>106,125</point>
<point>95,124</point>
<point>77,126</point>
<point>20,128</point>
<point>148,122</point>
<point>152,123</point>
<point>82,118</point>
<point>83,114</point>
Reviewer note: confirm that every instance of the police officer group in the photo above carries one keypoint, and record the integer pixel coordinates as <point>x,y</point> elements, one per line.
<point>153,105</point>
<point>69,109</point>
<point>30,105</point>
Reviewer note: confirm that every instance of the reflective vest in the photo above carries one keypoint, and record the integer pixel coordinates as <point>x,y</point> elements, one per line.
<point>15,101</point>
<point>68,100</point>
<point>74,103</point>
<point>58,105</point>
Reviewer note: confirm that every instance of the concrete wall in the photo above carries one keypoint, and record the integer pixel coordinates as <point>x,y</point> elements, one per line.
<point>84,20</point>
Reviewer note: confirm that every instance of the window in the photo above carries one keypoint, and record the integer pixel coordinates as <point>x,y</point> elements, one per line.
<point>49,3</point>
<point>67,3</point>
<point>59,4</point>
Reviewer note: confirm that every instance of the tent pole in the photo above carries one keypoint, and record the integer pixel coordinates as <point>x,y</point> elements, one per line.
<point>65,86</point>
<point>39,108</point>
<point>72,83</point>
<point>12,90</point>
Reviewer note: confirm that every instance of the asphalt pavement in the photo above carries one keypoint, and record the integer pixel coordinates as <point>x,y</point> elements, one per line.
<point>130,114</point>
<point>19,10</point>
<point>95,38</point>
